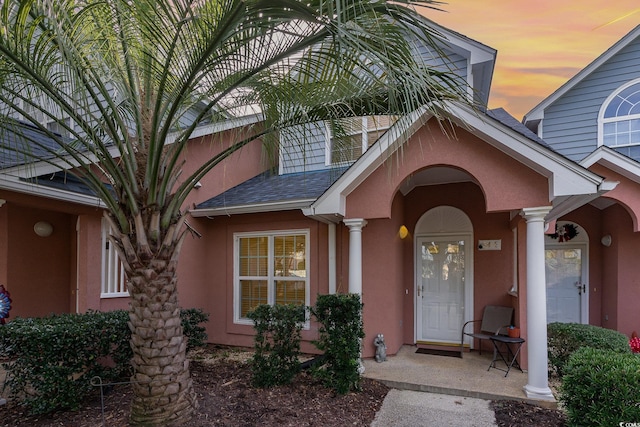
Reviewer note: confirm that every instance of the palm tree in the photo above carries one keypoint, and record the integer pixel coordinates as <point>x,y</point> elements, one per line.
<point>127,83</point>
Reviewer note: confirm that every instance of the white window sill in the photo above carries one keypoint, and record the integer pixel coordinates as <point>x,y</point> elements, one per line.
<point>115,295</point>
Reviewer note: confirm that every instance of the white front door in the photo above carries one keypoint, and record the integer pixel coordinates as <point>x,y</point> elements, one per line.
<point>567,287</point>
<point>440,287</point>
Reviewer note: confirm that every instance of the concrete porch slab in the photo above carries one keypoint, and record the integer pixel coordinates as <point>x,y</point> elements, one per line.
<point>467,377</point>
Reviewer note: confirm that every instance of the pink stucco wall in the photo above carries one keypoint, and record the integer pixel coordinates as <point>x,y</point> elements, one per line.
<point>384,281</point>
<point>42,274</point>
<point>628,296</point>
<point>39,272</point>
<point>620,299</point>
<point>625,193</point>
<point>503,184</point>
<point>619,272</point>
<point>506,183</point>
<point>218,276</point>
<point>198,254</point>
<point>205,272</point>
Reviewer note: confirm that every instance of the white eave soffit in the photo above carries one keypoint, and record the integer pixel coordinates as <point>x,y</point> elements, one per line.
<point>19,186</point>
<point>615,161</point>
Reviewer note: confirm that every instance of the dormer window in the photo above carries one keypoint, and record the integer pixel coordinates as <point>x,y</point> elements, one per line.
<point>619,124</point>
<point>348,138</point>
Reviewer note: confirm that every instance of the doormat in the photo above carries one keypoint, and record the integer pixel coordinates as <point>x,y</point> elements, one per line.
<point>438,352</point>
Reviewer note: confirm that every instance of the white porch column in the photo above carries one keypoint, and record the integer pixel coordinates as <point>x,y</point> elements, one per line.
<point>355,265</point>
<point>355,254</point>
<point>537,382</point>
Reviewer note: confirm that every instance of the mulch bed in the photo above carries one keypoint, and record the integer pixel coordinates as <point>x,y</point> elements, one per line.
<point>222,380</point>
<point>520,414</point>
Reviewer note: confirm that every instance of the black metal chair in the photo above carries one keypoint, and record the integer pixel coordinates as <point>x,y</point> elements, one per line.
<point>495,320</point>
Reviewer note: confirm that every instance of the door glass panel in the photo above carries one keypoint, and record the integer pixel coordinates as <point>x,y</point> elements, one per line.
<point>442,284</point>
<point>563,270</point>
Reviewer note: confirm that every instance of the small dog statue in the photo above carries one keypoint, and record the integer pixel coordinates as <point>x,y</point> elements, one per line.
<point>381,348</point>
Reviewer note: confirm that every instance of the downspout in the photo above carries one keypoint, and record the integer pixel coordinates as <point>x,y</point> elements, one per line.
<point>78,252</point>
<point>332,258</point>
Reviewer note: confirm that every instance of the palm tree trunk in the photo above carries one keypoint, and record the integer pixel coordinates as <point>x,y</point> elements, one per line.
<point>163,390</point>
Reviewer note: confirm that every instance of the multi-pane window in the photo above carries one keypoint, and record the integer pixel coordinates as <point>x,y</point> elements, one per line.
<point>349,138</point>
<point>114,282</point>
<point>270,268</point>
<point>621,118</point>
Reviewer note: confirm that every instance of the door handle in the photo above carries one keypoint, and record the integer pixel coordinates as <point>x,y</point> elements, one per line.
<point>420,290</point>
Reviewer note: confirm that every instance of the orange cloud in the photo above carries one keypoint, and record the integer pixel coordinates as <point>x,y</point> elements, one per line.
<point>540,45</point>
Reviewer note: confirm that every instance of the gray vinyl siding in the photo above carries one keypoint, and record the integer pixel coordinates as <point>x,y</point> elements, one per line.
<point>451,61</point>
<point>570,124</point>
<point>302,149</point>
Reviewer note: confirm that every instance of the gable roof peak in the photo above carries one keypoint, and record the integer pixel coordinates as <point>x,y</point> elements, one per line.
<point>537,113</point>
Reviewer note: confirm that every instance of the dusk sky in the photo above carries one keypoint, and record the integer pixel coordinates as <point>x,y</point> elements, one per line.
<point>540,44</point>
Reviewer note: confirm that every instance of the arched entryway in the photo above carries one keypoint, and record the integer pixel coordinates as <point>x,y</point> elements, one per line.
<point>566,274</point>
<point>443,275</point>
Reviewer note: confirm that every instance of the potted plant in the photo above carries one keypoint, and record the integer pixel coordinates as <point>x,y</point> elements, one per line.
<point>513,331</point>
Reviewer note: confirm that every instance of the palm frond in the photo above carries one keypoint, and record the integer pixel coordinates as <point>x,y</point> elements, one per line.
<point>121,78</point>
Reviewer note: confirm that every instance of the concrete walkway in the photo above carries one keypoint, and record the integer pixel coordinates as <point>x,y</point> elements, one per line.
<point>406,408</point>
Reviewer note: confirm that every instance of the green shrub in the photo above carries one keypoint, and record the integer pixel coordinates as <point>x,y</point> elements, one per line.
<point>565,338</point>
<point>600,388</point>
<point>341,332</point>
<point>51,360</point>
<point>277,343</point>
<point>191,318</point>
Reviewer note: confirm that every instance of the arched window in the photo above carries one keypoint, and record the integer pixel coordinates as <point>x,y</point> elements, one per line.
<point>620,119</point>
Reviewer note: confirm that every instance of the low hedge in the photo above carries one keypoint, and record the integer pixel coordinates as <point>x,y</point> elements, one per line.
<point>566,338</point>
<point>192,319</point>
<point>341,332</point>
<point>51,360</point>
<point>277,343</point>
<point>54,358</point>
<point>600,388</point>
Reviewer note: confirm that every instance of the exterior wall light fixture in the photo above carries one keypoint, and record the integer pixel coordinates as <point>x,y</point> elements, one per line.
<point>43,229</point>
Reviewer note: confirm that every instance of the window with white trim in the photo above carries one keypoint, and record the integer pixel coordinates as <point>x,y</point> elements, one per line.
<point>619,124</point>
<point>348,138</point>
<point>270,268</point>
<point>114,281</point>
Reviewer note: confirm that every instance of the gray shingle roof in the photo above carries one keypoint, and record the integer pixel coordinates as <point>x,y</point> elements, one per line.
<point>508,120</point>
<point>270,187</point>
<point>63,181</point>
<point>15,137</point>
